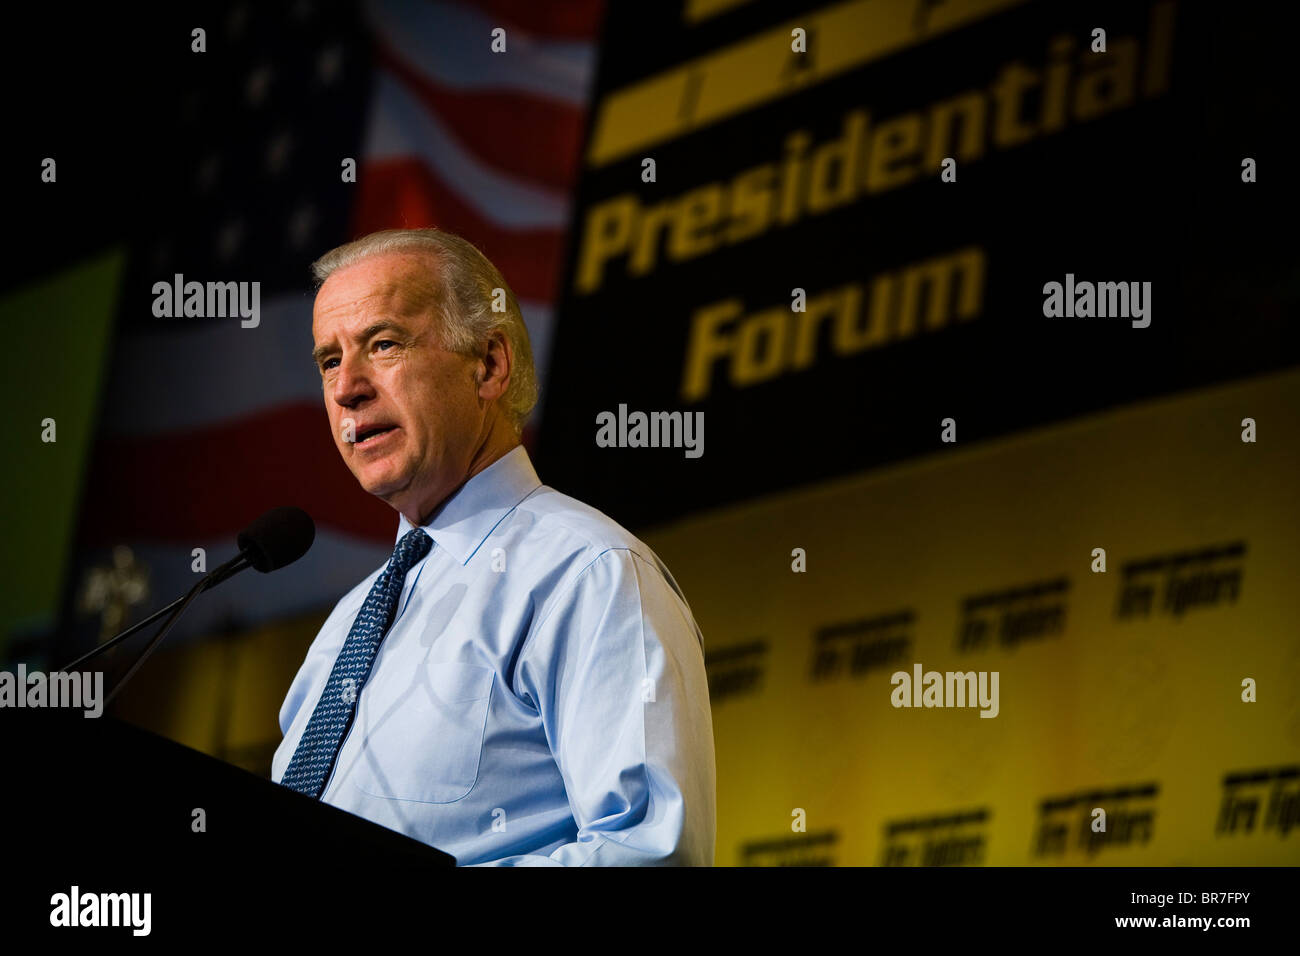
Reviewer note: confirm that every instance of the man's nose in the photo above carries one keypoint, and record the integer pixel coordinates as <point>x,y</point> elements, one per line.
<point>351,384</point>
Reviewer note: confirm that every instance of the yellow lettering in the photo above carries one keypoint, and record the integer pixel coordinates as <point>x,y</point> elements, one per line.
<point>605,235</point>
<point>698,212</point>
<point>706,346</point>
<point>892,143</point>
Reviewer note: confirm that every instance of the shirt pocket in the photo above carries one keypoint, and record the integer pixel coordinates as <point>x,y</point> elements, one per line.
<point>422,742</point>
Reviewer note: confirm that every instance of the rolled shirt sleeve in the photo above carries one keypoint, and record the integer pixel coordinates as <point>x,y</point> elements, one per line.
<point>616,670</point>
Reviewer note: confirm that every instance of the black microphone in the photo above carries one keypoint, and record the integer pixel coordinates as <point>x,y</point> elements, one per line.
<point>277,538</point>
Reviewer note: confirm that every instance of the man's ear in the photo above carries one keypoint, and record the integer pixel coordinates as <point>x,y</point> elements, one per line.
<point>498,356</point>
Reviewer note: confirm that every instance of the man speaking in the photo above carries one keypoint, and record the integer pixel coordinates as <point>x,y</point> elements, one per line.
<point>522,683</point>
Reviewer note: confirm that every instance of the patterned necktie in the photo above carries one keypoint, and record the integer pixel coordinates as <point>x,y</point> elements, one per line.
<point>314,758</point>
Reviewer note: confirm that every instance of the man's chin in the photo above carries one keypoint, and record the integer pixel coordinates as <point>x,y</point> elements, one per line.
<point>381,485</point>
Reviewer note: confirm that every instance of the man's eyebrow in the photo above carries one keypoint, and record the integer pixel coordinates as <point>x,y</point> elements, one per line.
<point>384,325</point>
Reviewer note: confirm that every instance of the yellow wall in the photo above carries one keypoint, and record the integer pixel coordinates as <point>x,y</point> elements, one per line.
<point>1103,704</point>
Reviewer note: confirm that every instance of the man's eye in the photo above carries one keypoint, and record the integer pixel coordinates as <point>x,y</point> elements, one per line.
<point>326,366</point>
<point>382,342</point>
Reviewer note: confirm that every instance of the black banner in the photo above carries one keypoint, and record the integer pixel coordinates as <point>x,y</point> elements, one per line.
<point>928,305</point>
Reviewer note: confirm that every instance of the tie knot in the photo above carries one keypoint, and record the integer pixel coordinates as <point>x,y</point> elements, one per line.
<point>415,544</point>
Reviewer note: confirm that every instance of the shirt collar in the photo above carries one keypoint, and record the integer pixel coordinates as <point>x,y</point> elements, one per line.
<point>466,518</point>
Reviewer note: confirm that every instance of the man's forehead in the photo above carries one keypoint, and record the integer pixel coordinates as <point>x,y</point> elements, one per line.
<point>390,286</point>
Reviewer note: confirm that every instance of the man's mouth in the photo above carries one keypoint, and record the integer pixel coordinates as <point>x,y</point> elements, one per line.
<point>372,436</point>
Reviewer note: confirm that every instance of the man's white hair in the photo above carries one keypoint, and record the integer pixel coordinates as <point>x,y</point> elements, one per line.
<point>466,287</point>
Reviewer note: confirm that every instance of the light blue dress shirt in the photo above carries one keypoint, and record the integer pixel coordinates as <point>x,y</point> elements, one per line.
<point>540,698</point>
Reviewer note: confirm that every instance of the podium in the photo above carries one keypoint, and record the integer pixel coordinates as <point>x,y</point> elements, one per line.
<point>109,807</point>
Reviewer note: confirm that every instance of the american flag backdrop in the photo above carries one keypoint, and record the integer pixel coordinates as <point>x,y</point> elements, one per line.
<point>204,424</point>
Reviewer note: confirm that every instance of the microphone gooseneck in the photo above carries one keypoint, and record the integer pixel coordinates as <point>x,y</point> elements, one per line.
<point>278,538</point>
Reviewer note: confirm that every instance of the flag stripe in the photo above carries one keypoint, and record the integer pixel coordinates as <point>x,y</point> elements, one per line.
<point>574,19</point>
<point>232,472</point>
<point>401,128</point>
<point>528,137</point>
<point>405,192</point>
<point>453,43</point>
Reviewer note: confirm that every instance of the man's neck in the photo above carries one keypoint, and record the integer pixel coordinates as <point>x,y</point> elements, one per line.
<point>490,452</point>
